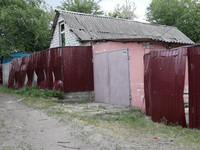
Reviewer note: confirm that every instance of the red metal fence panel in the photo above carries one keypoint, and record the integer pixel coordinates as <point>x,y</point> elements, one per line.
<point>29,69</point>
<point>77,69</point>
<point>1,75</point>
<point>147,83</point>
<point>57,63</point>
<point>64,68</point>
<point>194,86</point>
<point>167,85</point>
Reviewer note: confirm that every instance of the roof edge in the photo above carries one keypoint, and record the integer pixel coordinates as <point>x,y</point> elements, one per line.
<point>136,40</point>
<point>54,24</point>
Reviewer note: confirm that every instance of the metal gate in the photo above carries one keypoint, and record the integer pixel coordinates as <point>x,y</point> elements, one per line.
<point>112,77</point>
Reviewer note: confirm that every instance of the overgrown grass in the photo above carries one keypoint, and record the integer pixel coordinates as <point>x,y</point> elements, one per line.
<point>33,92</point>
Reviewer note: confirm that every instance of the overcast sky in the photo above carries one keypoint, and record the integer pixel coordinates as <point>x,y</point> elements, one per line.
<point>109,5</point>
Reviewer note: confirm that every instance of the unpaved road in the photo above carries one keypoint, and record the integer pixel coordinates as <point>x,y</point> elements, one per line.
<point>23,128</point>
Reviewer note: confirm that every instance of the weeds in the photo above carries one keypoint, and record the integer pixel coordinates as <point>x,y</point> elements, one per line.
<point>33,91</point>
<point>2,123</point>
<point>8,147</point>
<point>102,107</point>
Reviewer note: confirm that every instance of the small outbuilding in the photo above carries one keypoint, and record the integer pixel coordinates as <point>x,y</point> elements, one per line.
<point>118,48</point>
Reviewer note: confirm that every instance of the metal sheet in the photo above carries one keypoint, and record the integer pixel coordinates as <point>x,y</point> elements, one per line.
<point>119,77</point>
<point>29,69</point>
<point>101,78</point>
<point>194,90</point>
<point>56,68</point>
<point>147,83</point>
<point>71,66</point>
<point>1,75</point>
<point>167,86</point>
<point>111,77</point>
<point>20,72</point>
<point>77,69</point>
<point>11,78</point>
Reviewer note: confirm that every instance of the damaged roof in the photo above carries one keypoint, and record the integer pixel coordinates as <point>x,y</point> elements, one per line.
<point>89,27</point>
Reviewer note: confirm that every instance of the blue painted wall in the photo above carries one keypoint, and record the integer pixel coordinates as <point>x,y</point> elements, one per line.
<point>15,55</point>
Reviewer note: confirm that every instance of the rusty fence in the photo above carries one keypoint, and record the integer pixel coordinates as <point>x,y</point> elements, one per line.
<point>67,68</point>
<point>164,76</point>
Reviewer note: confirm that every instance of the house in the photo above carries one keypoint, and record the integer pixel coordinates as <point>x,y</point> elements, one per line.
<point>118,49</point>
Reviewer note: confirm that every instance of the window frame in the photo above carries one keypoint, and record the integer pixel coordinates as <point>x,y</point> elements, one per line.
<point>62,33</point>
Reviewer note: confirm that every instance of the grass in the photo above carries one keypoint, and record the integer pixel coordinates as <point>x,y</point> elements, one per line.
<point>8,147</point>
<point>121,122</point>
<point>2,123</point>
<point>33,92</point>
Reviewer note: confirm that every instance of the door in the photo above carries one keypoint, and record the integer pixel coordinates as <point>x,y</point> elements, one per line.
<point>111,77</point>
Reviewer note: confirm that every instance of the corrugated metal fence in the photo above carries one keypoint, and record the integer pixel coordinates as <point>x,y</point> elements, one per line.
<point>66,68</point>
<point>164,75</point>
<point>1,75</point>
<point>194,86</point>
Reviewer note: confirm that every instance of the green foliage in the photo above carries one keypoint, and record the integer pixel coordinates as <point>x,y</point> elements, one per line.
<point>51,13</point>
<point>184,14</point>
<point>33,92</point>
<point>83,6</point>
<point>25,26</point>
<point>126,11</point>
<point>131,117</point>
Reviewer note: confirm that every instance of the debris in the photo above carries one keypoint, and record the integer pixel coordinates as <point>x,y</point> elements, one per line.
<point>155,137</point>
<point>63,142</point>
<point>9,102</point>
<point>69,147</point>
<point>54,99</point>
<point>18,127</point>
<point>42,119</point>
<point>20,99</point>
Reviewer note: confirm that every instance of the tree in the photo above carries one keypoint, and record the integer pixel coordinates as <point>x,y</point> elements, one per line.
<point>83,6</point>
<point>51,13</point>
<point>24,26</point>
<point>126,11</point>
<point>184,14</point>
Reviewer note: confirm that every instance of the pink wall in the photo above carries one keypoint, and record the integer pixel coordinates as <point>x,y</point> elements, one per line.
<point>136,52</point>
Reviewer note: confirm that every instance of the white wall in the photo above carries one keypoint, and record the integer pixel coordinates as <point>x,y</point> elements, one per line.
<point>6,70</point>
<point>70,38</point>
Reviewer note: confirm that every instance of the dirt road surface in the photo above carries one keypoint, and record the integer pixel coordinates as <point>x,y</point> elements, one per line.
<point>23,128</point>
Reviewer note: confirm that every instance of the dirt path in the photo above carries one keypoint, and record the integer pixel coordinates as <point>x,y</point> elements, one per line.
<point>23,128</point>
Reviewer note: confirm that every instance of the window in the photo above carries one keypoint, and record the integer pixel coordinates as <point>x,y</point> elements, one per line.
<point>62,34</point>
